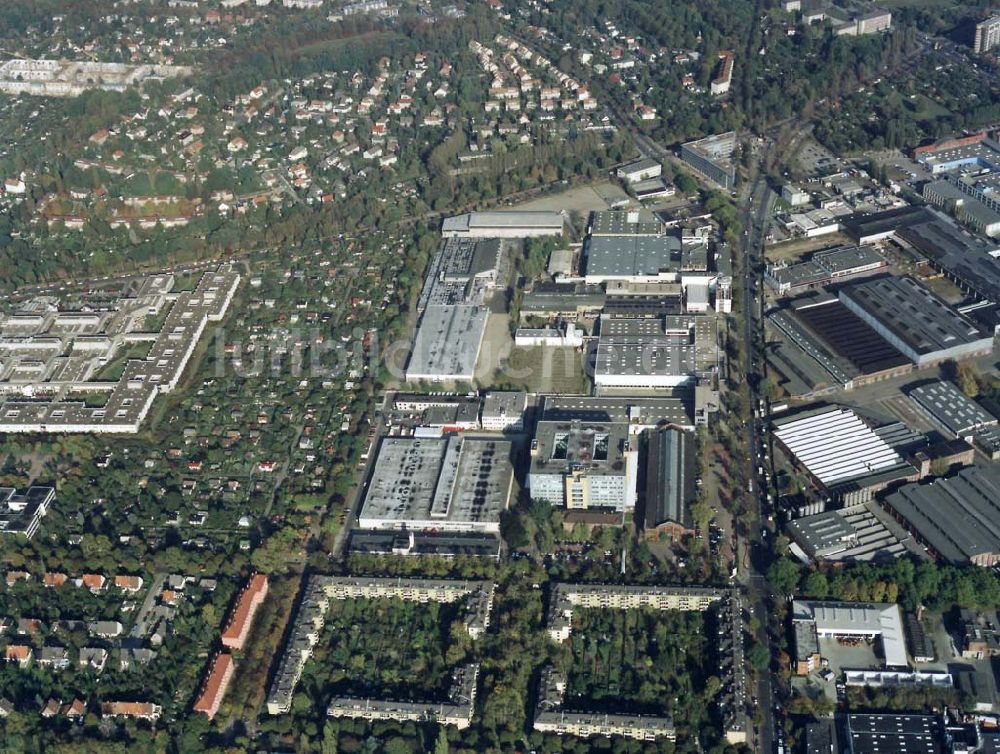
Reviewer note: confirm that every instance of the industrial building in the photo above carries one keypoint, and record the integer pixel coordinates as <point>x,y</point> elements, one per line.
<point>889,732</point>
<point>504,224</point>
<point>957,518</point>
<point>563,300</point>
<point>830,620</point>
<point>962,197</point>
<point>824,268</point>
<point>943,402</point>
<point>447,344</point>
<point>652,354</point>
<point>637,414</point>
<point>670,485</point>
<point>445,411</point>
<point>845,458</point>
<point>833,346</point>
<point>618,222</point>
<point>934,236</point>
<point>641,258</point>
<point>859,533</point>
<point>453,484</point>
<point>924,327</point>
<point>713,158</point>
<point>413,543</point>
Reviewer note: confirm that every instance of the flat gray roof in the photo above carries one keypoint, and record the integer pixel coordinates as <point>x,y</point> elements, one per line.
<point>424,483</point>
<point>614,222</point>
<point>503,403</point>
<point>447,343</point>
<point>642,411</point>
<point>560,446</point>
<point>902,734</point>
<point>858,619</point>
<point>650,355</point>
<point>624,256</point>
<point>958,517</point>
<point>512,219</point>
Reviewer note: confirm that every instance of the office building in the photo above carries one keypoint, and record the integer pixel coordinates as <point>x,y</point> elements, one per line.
<point>450,484</point>
<point>584,465</point>
<point>504,411</point>
<point>640,170</point>
<point>22,514</point>
<point>713,158</point>
<point>986,35</point>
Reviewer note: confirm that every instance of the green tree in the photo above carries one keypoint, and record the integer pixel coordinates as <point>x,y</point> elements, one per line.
<point>758,657</point>
<point>441,747</point>
<point>329,743</point>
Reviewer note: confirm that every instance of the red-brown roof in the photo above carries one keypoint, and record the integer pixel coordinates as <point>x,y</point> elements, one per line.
<point>245,608</point>
<point>214,689</point>
<point>18,652</point>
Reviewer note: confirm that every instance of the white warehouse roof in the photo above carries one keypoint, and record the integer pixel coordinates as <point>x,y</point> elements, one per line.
<point>858,619</point>
<point>835,445</point>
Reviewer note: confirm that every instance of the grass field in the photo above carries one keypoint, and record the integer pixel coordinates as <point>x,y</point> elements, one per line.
<point>544,370</point>
<point>112,371</point>
<point>921,107</point>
